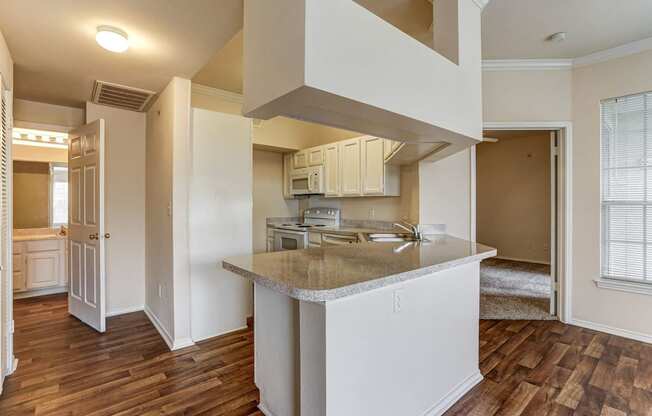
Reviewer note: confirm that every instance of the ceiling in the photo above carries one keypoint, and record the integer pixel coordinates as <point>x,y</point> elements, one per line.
<point>517,29</point>
<point>56,58</point>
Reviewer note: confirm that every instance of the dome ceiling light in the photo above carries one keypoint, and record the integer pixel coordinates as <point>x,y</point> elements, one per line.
<point>112,39</point>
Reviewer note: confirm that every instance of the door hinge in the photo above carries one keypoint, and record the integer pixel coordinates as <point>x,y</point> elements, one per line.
<point>12,326</point>
<point>555,150</point>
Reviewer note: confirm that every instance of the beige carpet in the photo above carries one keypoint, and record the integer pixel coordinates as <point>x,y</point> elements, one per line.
<point>514,290</point>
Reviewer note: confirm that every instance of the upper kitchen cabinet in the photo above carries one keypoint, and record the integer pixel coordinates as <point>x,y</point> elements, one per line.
<point>300,159</point>
<point>350,168</point>
<point>378,178</point>
<point>288,161</point>
<point>332,169</point>
<point>305,64</point>
<point>316,156</point>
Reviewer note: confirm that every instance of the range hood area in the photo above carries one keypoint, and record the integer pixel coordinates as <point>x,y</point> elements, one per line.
<point>338,64</point>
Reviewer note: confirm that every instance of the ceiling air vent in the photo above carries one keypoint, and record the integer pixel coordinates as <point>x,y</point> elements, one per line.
<point>121,96</point>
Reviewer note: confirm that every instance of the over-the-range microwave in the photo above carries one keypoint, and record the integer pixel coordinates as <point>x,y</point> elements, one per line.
<point>307,181</point>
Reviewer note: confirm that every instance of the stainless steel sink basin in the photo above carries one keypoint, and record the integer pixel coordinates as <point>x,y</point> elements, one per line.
<point>389,237</point>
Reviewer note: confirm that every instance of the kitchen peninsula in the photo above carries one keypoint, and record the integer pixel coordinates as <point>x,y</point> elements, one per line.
<point>371,328</point>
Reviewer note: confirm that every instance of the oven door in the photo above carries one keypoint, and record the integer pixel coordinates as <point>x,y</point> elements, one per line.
<point>289,240</point>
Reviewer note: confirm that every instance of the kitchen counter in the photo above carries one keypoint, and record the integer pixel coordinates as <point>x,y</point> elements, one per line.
<point>325,274</point>
<point>371,328</point>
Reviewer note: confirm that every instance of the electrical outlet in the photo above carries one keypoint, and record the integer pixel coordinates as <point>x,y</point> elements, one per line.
<point>160,291</point>
<point>372,213</point>
<point>398,300</point>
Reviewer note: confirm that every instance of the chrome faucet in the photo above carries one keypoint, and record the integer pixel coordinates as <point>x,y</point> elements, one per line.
<point>411,228</point>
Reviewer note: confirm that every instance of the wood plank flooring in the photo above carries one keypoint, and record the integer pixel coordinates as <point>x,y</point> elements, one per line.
<point>530,368</point>
<point>65,368</point>
<point>548,368</point>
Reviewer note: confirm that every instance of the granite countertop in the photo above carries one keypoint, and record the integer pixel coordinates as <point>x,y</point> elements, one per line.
<point>325,274</point>
<point>30,234</point>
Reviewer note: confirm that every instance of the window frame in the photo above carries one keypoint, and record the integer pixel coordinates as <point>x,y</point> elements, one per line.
<point>644,285</point>
<point>52,224</point>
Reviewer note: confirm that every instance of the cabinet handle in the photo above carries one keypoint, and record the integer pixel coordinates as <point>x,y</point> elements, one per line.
<point>107,235</point>
<point>93,236</point>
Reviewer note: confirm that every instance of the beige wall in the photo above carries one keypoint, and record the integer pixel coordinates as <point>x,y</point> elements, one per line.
<point>575,95</point>
<point>31,195</point>
<point>513,195</point>
<point>591,84</point>
<point>527,95</point>
<point>6,65</point>
<point>56,115</point>
<point>125,205</point>
<point>268,198</point>
<point>38,154</point>
<point>278,133</point>
<point>445,193</point>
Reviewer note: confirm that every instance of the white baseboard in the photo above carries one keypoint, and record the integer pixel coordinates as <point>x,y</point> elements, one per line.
<point>40,292</point>
<point>205,337</point>
<point>547,263</point>
<point>625,333</point>
<point>172,343</point>
<point>264,410</point>
<point>437,409</point>
<point>125,311</point>
<point>454,395</point>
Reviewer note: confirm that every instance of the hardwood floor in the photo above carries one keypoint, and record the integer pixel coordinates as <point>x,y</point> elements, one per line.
<point>548,368</point>
<point>66,368</point>
<point>530,368</point>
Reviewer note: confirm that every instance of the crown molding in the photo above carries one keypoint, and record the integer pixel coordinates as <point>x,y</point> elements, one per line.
<point>526,64</point>
<point>627,49</point>
<point>232,97</point>
<point>614,53</point>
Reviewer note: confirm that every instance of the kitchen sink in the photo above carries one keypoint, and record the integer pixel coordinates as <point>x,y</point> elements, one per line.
<point>389,237</point>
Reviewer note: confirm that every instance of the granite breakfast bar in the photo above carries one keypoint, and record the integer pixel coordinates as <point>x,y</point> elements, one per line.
<point>372,328</point>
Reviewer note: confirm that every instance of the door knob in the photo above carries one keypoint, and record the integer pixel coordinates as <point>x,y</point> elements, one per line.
<point>93,236</point>
<point>107,235</point>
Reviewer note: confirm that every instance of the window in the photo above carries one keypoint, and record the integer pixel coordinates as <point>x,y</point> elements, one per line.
<point>626,201</point>
<point>58,195</point>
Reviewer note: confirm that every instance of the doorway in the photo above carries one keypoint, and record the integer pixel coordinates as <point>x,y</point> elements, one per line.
<point>517,211</point>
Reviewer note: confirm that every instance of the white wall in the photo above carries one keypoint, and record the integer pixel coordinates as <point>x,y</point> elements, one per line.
<point>268,198</point>
<point>125,205</point>
<point>167,284</point>
<point>220,221</point>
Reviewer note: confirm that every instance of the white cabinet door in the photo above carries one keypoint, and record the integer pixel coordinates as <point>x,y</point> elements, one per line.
<point>332,170</point>
<point>19,281</point>
<point>42,269</point>
<point>373,166</point>
<point>316,156</point>
<point>300,160</point>
<point>388,147</point>
<point>350,167</point>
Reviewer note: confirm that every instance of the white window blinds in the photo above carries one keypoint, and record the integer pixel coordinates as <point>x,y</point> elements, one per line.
<point>626,202</point>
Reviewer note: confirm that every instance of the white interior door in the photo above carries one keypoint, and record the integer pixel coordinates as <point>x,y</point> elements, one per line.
<point>554,217</point>
<point>87,280</point>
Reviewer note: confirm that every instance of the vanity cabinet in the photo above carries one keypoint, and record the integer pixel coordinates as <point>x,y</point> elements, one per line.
<point>39,264</point>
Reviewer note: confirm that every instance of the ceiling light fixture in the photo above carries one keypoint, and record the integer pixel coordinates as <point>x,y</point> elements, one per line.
<point>557,37</point>
<point>112,39</point>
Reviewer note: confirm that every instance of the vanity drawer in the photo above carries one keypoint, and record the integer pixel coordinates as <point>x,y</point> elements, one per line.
<point>18,248</point>
<point>42,245</point>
